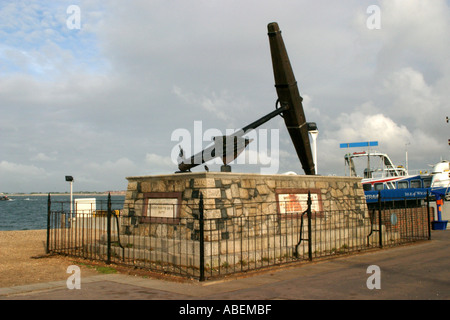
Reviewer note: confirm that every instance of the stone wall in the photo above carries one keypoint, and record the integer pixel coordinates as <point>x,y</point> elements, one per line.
<point>228,195</point>
<point>243,214</point>
<point>224,191</point>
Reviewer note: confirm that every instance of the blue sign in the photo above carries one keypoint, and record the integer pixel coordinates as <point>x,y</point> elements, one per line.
<point>359,144</point>
<point>396,194</point>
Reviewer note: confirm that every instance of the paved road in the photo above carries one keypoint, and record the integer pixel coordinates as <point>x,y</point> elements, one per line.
<point>413,272</point>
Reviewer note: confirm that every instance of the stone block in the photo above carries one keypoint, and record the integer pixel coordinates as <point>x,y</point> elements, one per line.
<point>159,186</point>
<point>248,183</point>
<point>204,183</point>
<point>271,184</point>
<point>213,214</point>
<point>243,193</point>
<point>130,195</point>
<point>235,191</point>
<point>262,189</point>
<point>132,186</point>
<point>146,187</point>
<point>212,193</point>
<point>226,182</point>
<point>321,185</point>
<point>187,194</point>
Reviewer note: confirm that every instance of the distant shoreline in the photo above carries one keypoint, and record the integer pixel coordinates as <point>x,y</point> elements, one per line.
<point>113,193</point>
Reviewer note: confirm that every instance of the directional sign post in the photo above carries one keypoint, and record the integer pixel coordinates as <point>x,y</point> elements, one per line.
<point>359,144</point>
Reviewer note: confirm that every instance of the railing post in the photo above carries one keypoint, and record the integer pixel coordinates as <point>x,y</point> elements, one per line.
<point>380,233</point>
<point>309,227</point>
<point>428,216</point>
<point>49,205</point>
<point>108,230</point>
<point>202,239</point>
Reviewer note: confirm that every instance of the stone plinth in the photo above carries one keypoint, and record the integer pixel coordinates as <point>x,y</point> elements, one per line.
<point>230,190</point>
<point>245,216</point>
<point>233,195</point>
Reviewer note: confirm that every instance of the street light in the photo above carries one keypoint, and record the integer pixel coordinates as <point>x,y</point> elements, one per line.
<point>406,156</point>
<point>70,179</point>
<point>314,131</point>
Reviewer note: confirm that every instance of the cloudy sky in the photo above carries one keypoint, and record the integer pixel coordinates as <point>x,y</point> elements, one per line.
<point>108,97</point>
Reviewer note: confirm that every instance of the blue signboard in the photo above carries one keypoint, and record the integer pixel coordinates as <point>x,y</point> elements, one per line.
<point>359,144</point>
<point>396,194</point>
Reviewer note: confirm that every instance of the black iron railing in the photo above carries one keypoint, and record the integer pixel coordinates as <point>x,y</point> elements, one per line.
<point>203,247</point>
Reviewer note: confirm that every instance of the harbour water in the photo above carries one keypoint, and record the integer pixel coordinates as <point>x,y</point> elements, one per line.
<point>30,212</point>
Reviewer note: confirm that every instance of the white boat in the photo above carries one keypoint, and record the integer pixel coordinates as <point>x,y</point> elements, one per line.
<point>441,175</point>
<point>386,176</point>
<point>395,183</point>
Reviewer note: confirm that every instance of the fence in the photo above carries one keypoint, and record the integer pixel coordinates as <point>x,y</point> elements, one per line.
<point>202,248</point>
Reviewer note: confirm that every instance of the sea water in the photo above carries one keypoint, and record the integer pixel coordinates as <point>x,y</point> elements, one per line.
<point>30,212</point>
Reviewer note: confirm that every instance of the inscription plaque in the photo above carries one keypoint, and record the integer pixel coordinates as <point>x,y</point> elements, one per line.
<point>161,207</point>
<point>292,201</point>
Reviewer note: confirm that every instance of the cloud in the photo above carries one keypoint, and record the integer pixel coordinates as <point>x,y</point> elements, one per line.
<point>224,105</point>
<point>415,33</point>
<point>21,177</point>
<point>157,164</point>
<point>37,42</point>
<point>358,126</point>
<point>157,160</point>
<point>42,157</point>
<point>412,99</point>
<point>109,173</point>
<point>20,169</point>
<point>104,100</point>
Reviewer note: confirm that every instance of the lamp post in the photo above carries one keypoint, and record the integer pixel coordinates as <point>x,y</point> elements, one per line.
<point>446,119</point>
<point>314,132</point>
<point>70,179</point>
<point>406,156</point>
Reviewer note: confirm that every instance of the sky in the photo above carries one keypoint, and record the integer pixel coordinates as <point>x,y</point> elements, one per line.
<point>104,90</point>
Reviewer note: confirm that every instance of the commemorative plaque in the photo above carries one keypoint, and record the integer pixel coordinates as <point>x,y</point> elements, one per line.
<point>162,207</point>
<point>292,201</point>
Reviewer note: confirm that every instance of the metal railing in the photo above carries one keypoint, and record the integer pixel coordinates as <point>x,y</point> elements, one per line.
<point>239,241</point>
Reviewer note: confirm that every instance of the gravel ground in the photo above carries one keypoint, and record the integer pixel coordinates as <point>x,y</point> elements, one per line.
<point>23,260</point>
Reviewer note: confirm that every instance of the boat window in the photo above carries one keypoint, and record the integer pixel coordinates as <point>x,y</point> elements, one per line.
<point>367,187</point>
<point>427,182</point>
<point>416,184</point>
<point>402,184</point>
<point>378,186</point>
<point>390,185</point>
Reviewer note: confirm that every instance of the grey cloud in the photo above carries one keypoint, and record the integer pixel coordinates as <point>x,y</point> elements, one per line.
<point>100,101</point>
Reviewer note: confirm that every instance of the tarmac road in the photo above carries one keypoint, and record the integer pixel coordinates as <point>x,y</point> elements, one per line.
<point>420,271</point>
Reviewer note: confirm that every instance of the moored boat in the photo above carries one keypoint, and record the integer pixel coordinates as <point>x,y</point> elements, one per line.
<point>395,184</point>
